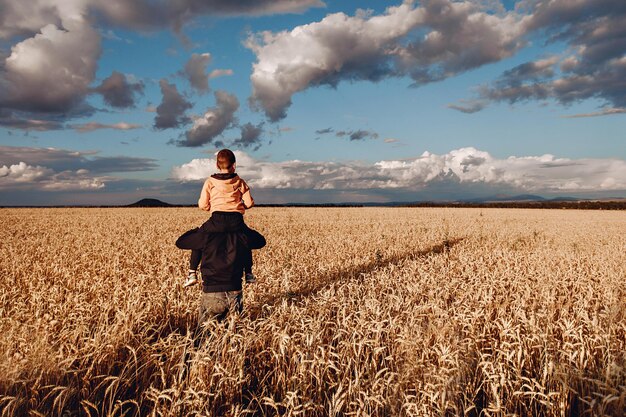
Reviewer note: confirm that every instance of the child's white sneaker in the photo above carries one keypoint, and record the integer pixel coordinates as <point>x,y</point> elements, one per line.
<point>250,278</point>
<point>192,279</point>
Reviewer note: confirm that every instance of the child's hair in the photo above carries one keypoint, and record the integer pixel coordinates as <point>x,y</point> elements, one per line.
<point>225,159</point>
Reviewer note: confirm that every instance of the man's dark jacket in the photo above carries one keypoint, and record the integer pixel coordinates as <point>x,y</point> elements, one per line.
<point>225,241</point>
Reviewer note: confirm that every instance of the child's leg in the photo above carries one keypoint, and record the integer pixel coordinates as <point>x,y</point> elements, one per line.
<point>193,239</point>
<point>247,265</point>
<point>254,240</point>
<point>247,261</point>
<point>194,260</point>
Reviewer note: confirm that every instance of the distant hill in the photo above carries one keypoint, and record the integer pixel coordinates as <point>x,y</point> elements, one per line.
<point>503,198</point>
<point>495,201</point>
<point>566,199</point>
<point>521,197</point>
<point>517,198</point>
<point>150,202</point>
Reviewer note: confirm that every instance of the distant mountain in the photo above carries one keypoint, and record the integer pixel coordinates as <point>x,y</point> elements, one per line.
<point>150,202</point>
<point>565,199</point>
<point>521,197</point>
<point>503,198</point>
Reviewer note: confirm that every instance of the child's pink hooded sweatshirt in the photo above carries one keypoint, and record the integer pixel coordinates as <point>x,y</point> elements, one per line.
<point>225,192</point>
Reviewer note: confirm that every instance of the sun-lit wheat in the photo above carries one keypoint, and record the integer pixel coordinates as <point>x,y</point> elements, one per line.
<point>356,312</point>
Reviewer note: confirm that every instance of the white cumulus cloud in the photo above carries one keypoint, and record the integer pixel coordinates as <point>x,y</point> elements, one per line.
<point>51,71</point>
<point>544,173</point>
<point>214,121</point>
<point>22,175</point>
<point>47,74</point>
<point>22,172</point>
<point>436,40</point>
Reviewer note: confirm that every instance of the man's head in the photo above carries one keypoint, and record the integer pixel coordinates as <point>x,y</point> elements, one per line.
<point>226,160</point>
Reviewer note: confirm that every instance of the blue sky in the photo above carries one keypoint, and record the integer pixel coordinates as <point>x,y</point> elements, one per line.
<point>339,102</point>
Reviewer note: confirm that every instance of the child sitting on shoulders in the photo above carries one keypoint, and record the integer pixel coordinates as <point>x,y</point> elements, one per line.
<point>226,196</point>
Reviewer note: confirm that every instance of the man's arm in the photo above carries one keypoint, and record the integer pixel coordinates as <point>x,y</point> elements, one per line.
<point>204,202</point>
<point>254,239</point>
<point>192,239</point>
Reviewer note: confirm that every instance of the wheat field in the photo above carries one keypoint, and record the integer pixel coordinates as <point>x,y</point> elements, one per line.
<point>356,312</point>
